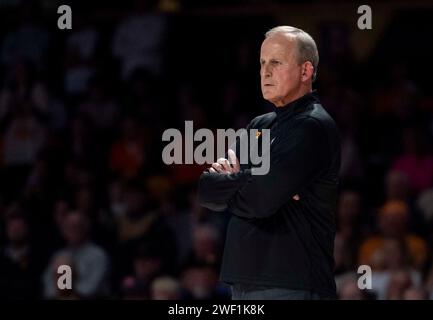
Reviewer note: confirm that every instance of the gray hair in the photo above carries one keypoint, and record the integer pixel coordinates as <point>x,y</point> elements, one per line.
<point>307,49</point>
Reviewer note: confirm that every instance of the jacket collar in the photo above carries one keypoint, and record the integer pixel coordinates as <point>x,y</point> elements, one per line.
<point>297,105</point>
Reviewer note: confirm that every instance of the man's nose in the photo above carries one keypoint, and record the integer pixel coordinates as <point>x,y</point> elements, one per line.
<point>266,72</point>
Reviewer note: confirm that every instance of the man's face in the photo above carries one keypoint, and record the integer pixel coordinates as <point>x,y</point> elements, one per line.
<point>75,229</point>
<point>16,230</point>
<point>280,72</point>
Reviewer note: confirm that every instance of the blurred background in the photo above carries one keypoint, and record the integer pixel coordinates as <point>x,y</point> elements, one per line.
<point>82,113</point>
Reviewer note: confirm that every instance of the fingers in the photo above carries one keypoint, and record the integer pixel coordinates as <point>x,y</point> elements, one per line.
<point>234,161</point>
<point>217,167</point>
<point>225,164</point>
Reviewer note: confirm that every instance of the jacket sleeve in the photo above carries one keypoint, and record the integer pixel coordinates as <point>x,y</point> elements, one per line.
<point>215,190</point>
<point>295,161</point>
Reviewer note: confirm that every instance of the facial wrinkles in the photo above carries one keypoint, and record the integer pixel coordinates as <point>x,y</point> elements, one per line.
<point>277,55</point>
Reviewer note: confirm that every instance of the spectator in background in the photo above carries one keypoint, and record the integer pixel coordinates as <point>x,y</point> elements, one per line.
<point>415,293</point>
<point>416,162</point>
<point>37,182</point>
<point>142,224</point>
<point>165,288</point>
<point>191,109</point>
<point>138,39</point>
<point>350,233</point>
<point>80,56</point>
<point>77,73</point>
<point>100,107</point>
<point>391,258</point>
<point>20,263</point>
<point>399,282</point>
<point>148,263</point>
<point>139,217</point>
<point>395,99</point>
<point>83,38</point>
<point>206,246</point>
<point>81,141</point>
<point>91,263</point>
<point>184,219</point>
<point>145,94</point>
<point>429,282</point>
<point>424,204</point>
<point>28,41</point>
<point>347,287</point>
<point>48,106</point>
<point>201,283</point>
<point>37,196</point>
<point>24,136</point>
<point>117,198</point>
<point>103,224</point>
<point>349,114</point>
<point>17,84</point>
<point>351,164</point>
<point>127,155</point>
<point>75,176</point>
<point>160,190</point>
<point>61,209</point>
<point>179,220</point>
<point>392,222</point>
<point>66,293</point>
<point>397,188</point>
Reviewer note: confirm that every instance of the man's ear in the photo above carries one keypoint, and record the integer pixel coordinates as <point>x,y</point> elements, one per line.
<point>307,71</point>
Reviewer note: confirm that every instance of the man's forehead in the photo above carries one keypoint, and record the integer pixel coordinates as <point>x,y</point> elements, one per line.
<point>278,44</point>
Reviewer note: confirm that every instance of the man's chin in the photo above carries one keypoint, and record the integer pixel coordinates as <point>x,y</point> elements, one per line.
<point>268,97</point>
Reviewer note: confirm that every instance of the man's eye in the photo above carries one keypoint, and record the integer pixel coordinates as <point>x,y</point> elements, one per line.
<point>275,62</point>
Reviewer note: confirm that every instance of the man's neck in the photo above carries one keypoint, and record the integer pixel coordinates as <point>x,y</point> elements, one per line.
<point>300,93</point>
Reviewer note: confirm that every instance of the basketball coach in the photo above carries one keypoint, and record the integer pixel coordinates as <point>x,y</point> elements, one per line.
<point>280,237</point>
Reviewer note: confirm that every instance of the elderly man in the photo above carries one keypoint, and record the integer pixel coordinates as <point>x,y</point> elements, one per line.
<point>280,237</point>
<point>89,263</point>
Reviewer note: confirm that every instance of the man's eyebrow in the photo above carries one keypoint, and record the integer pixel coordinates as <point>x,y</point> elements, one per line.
<point>272,59</point>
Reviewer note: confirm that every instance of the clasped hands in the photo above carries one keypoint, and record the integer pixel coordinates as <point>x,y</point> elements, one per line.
<point>224,166</point>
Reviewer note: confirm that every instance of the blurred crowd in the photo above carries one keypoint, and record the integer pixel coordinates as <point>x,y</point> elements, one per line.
<point>82,181</point>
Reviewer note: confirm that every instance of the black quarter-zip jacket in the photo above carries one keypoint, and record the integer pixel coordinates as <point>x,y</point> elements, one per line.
<point>273,240</point>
